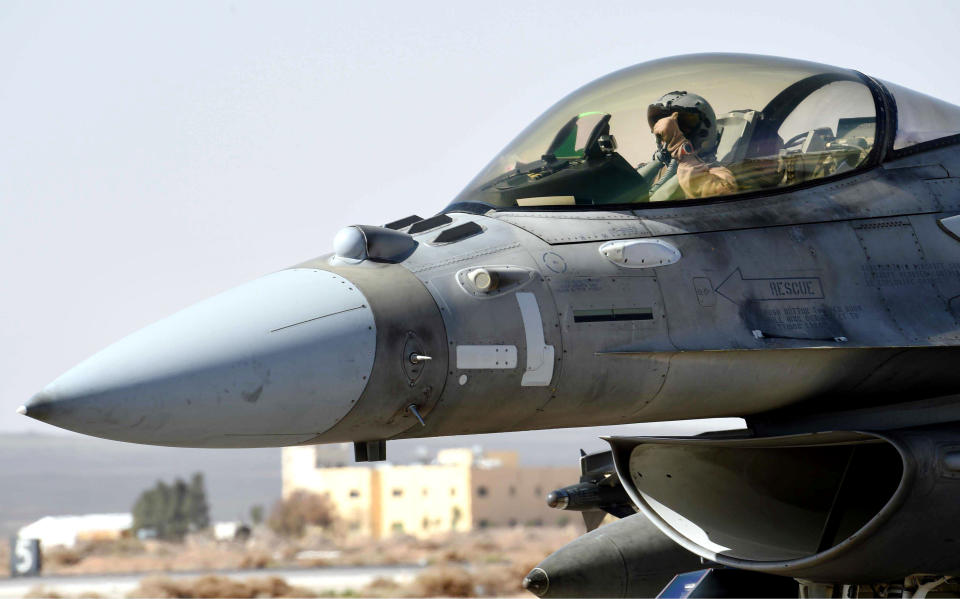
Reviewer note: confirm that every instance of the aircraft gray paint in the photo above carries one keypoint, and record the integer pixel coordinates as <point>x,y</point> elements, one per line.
<point>820,301</point>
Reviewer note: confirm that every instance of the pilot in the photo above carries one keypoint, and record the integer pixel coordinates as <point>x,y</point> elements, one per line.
<point>686,131</point>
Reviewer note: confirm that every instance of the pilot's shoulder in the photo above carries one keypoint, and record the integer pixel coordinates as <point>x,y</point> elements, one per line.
<point>717,165</point>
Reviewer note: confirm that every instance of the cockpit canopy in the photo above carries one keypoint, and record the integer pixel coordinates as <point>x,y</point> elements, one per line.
<point>778,123</point>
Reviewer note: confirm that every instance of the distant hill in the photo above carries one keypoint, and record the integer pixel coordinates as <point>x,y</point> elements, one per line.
<point>60,474</point>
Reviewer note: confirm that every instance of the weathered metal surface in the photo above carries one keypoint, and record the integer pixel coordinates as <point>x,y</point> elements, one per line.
<point>821,294</point>
<point>627,558</point>
<point>407,321</point>
<point>486,357</point>
<point>273,362</point>
<point>640,253</point>
<point>828,297</point>
<point>860,266</point>
<point>856,520</point>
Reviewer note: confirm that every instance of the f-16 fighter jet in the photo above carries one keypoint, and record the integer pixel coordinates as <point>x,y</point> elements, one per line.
<point>702,236</point>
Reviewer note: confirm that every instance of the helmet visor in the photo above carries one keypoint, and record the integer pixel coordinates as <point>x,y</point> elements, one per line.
<point>688,121</point>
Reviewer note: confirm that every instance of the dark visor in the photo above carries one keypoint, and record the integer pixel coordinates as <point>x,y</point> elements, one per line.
<point>688,121</point>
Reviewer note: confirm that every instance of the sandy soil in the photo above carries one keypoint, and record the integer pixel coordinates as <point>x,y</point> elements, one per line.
<point>489,562</point>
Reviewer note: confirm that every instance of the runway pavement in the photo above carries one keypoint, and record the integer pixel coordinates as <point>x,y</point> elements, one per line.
<point>118,585</point>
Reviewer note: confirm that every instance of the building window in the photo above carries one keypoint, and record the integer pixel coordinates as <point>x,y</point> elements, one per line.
<point>513,491</point>
<point>354,493</point>
<point>397,527</point>
<point>482,491</point>
<point>398,492</point>
<point>483,524</point>
<point>538,492</point>
<point>453,491</point>
<point>426,523</point>
<point>423,492</point>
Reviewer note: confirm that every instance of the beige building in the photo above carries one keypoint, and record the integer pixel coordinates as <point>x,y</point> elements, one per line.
<point>457,491</point>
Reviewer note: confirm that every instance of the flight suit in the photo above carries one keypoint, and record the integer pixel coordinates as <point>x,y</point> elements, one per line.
<point>697,178</point>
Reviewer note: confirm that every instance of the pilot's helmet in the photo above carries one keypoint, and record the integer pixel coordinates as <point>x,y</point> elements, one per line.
<point>695,117</point>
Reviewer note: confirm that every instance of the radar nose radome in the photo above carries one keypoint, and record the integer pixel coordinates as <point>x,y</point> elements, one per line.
<point>273,362</point>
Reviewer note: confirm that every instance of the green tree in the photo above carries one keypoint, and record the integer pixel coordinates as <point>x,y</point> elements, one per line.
<point>170,511</point>
<point>197,508</point>
<point>151,510</point>
<point>178,520</point>
<point>147,509</point>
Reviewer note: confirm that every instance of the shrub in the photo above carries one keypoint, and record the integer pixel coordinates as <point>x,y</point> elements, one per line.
<point>443,581</point>
<point>63,556</point>
<point>291,516</point>
<point>217,586</point>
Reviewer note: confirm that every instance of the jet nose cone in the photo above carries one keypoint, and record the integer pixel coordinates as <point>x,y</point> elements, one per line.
<point>272,362</point>
<point>35,408</point>
<point>537,582</point>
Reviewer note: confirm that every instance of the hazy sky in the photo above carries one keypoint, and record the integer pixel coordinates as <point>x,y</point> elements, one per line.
<point>154,154</point>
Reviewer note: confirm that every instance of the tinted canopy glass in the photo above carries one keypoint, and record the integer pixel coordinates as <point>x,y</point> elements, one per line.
<point>921,118</point>
<point>741,123</point>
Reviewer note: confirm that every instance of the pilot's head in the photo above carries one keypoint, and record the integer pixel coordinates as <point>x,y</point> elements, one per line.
<point>695,117</point>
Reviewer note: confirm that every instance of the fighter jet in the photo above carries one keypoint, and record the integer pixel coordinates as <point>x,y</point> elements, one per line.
<point>712,235</point>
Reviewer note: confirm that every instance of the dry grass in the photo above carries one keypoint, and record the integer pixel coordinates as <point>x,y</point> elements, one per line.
<point>442,581</point>
<point>196,553</point>
<point>453,580</point>
<point>482,563</point>
<point>489,546</point>
<point>296,514</point>
<point>435,581</point>
<point>488,563</point>
<point>485,563</point>
<point>382,587</point>
<point>41,592</point>
<point>447,580</point>
<point>216,587</point>
<point>62,557</point>
<point>265,550</point>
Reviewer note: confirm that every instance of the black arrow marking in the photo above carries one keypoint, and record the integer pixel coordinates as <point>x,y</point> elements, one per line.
<point>737,289</point>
